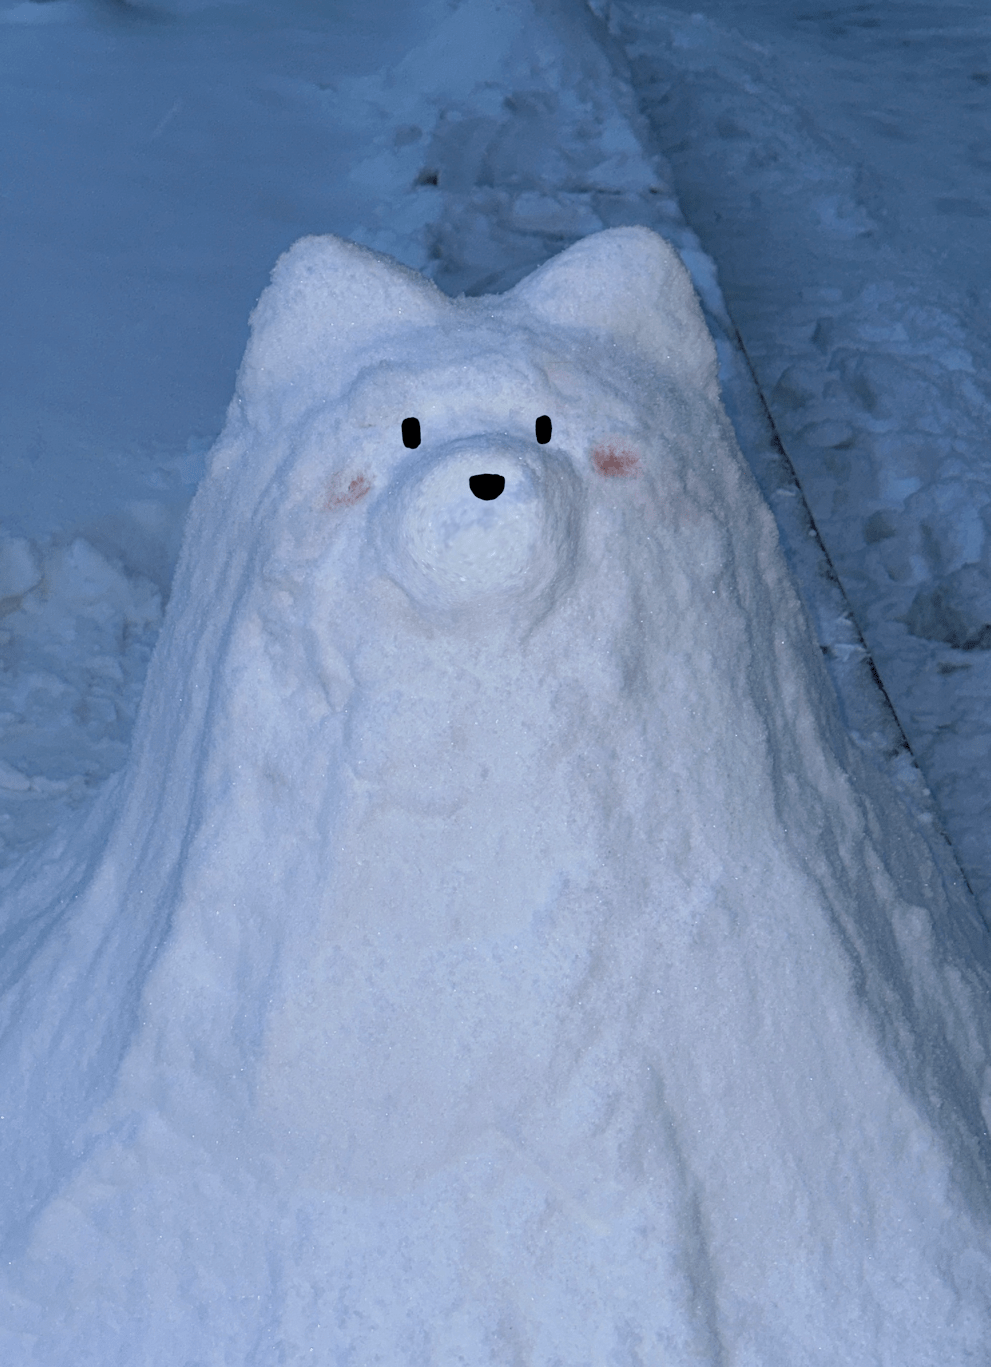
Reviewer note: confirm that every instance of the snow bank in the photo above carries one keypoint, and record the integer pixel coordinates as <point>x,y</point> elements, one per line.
<point>497,951</point>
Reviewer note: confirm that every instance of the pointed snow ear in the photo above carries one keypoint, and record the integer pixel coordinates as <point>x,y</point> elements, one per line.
<point>329,300</point>
<point>632,284</point>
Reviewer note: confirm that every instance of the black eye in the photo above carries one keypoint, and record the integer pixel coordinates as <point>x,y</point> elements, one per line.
<point>411,432</point>
<point>543,426</point>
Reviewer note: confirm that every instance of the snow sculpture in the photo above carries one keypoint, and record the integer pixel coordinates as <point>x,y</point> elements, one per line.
<point>495,951</point>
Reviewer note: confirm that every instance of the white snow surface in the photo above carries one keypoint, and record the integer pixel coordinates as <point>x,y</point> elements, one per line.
<point>298,1062</point>
<point>834,161</point>
<point>495,950</point>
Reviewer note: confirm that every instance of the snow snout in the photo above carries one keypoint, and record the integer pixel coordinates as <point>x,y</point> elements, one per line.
<point>481,527</point>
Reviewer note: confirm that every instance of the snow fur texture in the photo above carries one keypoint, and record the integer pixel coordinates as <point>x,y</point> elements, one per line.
<point>497,953</point>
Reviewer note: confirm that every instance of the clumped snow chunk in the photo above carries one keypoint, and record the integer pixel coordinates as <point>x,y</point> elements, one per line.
<point>956,610</point>
<point>497,953</point>
<point>20,569</point>
<point>76,634</point>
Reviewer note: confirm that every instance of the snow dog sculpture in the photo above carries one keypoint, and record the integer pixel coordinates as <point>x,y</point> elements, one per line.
<point>495,951</point>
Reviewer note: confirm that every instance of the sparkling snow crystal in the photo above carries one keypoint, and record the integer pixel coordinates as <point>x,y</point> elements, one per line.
<point>494,952</point>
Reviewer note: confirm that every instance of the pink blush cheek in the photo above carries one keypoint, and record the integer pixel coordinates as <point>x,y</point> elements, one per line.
<point>345,492</point>
<point>614,460</point>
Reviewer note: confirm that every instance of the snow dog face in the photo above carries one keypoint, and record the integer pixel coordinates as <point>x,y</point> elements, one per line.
<point>368,402</point>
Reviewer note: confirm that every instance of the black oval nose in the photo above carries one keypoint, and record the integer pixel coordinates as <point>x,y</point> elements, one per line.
<point>486,486</point>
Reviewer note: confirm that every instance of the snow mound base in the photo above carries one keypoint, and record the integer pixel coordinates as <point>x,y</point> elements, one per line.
<point>494,950</point>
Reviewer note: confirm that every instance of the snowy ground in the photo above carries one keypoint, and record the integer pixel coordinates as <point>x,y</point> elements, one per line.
<point>835,162</point>
<point>159,157</point>
<point>492,926</point>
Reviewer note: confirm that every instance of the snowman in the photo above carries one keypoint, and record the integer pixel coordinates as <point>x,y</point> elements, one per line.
<point>496,952</point>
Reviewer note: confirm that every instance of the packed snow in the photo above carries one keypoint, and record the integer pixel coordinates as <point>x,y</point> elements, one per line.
<point>501,939</point>
<point>496,949</point>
